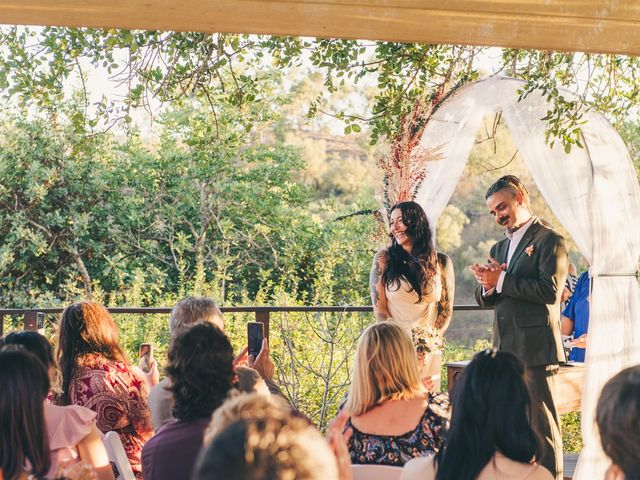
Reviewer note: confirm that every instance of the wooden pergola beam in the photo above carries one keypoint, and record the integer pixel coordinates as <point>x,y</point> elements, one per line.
<point>604,26</point>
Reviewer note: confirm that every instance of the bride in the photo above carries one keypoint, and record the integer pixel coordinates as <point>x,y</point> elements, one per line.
<point>412,284</point>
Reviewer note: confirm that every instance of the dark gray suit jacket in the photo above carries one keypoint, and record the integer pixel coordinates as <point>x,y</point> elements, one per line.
<point>527,311</point>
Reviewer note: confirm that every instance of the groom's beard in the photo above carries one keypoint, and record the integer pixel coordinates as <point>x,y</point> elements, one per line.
<point>515,228</point>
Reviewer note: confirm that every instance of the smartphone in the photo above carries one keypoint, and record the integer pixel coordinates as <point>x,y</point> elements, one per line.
<point>255,334</point>
<point>40,322</point>
<point>145,355</point>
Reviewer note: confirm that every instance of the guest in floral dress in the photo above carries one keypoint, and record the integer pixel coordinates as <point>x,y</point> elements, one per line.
<point>96,375</point>
<point>393,417</point>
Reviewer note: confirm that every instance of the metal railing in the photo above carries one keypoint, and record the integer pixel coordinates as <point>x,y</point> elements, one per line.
<point>31,316</point>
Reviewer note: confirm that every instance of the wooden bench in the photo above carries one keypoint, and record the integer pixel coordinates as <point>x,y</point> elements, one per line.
<point>568,395</point>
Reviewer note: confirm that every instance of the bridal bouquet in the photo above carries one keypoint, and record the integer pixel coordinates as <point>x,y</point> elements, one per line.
<point>427,339</point>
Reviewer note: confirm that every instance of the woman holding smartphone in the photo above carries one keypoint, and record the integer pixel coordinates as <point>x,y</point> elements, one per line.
<point>96,375</point>
<point>412,284</point>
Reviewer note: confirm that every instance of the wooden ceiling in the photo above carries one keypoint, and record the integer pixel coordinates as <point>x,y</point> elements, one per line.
<point>611,26</point>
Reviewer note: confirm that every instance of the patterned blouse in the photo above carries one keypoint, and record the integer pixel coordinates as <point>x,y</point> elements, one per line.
<point>118,394</point>
<point>425,439</point>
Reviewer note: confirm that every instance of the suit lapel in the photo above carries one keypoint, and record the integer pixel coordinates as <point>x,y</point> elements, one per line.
<point>524,243</point>
<point>502,251</point>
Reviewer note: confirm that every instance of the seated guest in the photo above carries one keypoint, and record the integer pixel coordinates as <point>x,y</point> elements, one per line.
<point>273,445</point>
<point>618,419</point>
<point>201,373</point>
<point>490,436</point>
<point>393,418</point>
<point>96,375</point>
<point>39,346</point>
<point>192,310</point>
<point>72,431</point>
<point>24,445</point>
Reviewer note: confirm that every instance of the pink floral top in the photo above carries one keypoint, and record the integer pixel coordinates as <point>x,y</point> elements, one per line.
<point>118,394</point>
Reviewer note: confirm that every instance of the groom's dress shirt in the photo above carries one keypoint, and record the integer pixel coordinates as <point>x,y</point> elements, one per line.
<point>514,241</point>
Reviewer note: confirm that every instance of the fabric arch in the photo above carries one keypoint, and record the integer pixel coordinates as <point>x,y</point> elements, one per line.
<point>594,193</point>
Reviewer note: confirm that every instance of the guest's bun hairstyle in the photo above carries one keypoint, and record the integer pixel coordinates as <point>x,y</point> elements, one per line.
<point>513,185</point>
<point>24,384</point>
<point>85,327</point>
<point>618,419</point>
<point>385,368</point>
<point>39,346</point>
<point>491,412</point>
<point>35,343</point>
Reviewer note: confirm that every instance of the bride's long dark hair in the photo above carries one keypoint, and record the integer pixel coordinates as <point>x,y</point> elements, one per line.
<point>417,267</point>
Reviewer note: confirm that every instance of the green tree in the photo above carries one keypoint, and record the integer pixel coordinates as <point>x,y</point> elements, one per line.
<point>53,189</point>
<point>165,66</point>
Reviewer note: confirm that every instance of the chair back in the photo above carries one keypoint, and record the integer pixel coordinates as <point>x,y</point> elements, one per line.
<point>375,472</point>
<point>117,457</point>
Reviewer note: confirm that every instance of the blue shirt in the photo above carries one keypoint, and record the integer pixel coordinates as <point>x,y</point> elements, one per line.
<point>577,310</point>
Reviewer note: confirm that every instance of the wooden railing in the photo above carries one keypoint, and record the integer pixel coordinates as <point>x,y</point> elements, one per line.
<point>33,316</point>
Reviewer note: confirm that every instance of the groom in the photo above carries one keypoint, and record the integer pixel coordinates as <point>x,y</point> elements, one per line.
<point>523,281</point>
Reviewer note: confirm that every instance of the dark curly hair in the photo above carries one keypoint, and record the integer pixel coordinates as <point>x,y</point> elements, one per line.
<point>417,267</point>
<point>201,371</point>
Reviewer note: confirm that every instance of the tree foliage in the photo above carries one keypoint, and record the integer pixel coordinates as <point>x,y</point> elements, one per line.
<point>152,67</point>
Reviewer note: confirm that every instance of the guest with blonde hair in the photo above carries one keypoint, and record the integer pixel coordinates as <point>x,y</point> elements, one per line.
<point>257,438</point>
<point>393,417</point>
<point>242,406</point>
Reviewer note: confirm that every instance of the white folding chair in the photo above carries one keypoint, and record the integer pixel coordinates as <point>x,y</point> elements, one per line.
<point>117,456</point>
<point>375,472</point>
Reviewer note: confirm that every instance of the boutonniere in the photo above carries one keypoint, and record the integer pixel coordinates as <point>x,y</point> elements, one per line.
<point>529,250</point>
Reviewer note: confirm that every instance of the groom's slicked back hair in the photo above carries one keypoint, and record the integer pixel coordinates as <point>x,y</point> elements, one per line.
<point>513,185</point>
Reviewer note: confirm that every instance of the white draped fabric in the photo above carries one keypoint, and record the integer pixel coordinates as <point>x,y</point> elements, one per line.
<point>593,191</point>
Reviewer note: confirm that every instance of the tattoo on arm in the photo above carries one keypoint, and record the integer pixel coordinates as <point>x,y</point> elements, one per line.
<point>374,278</point>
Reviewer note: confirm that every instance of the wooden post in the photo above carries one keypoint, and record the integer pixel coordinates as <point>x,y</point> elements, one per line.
<point>31,320</point>
<point>263,317</point>
<point>1,324</point>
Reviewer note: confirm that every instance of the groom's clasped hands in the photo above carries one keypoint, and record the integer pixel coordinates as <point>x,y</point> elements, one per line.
<point>488,274</point>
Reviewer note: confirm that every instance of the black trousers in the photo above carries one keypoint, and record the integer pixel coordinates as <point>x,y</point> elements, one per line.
<point>545,419</point>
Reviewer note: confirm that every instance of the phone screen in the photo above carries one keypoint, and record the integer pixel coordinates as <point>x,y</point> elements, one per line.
<point>39,320</point>
<point>255,334</point>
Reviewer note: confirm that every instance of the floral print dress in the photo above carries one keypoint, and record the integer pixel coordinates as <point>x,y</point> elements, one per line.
<point>118,394</point>
<point>425,439</point>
